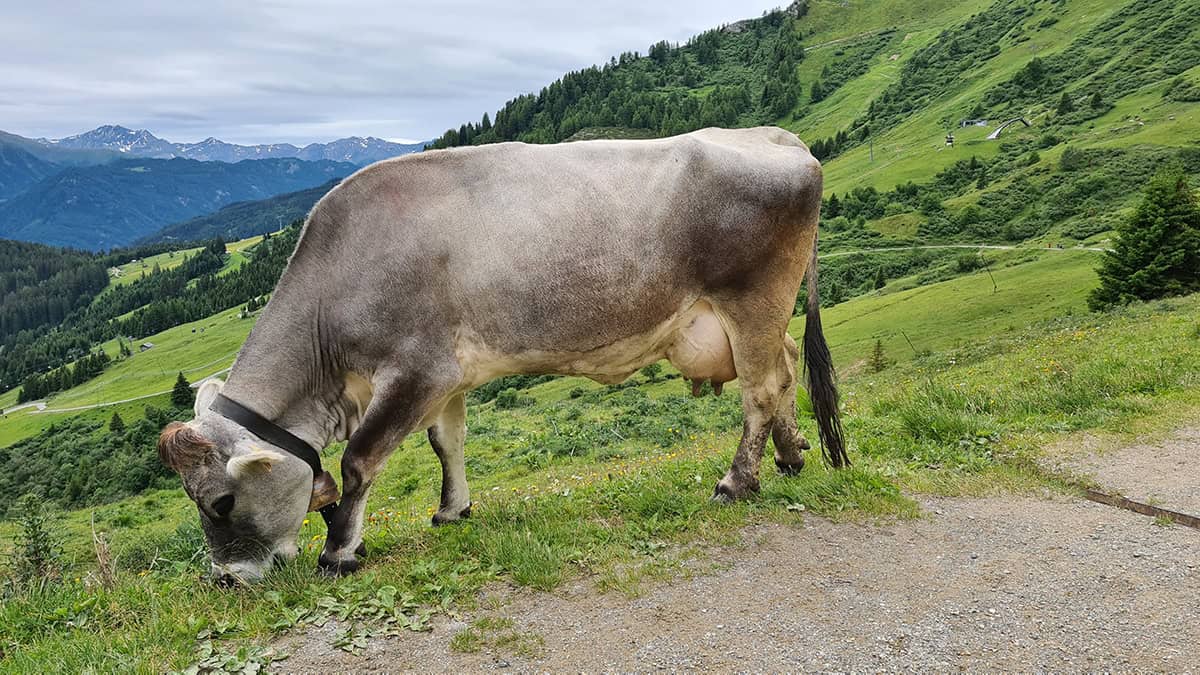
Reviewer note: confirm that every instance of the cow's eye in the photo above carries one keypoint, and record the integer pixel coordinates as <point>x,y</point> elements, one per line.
<point>223,506</point>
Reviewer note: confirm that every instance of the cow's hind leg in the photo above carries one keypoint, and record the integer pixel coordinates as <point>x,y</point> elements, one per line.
<point>447,437</point>
<point>759,355</point>
<point>789,443</point>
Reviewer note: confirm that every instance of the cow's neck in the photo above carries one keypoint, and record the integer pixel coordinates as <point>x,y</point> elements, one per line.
<point>285,373</point>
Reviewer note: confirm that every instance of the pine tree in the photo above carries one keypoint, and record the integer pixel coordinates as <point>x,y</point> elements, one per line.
<point>833,208</point>
<point>1157,251</point>
<point>878,360</point>
<point>182,395</point>
<point>1096,102</point>
<point>982,182</point>
<point>116,424</point>
<point>817,92</point>
<point>1065,105</point>
<point>880,279</point>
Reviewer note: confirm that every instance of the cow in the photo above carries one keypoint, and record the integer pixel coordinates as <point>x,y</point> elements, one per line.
<point>421,277</point>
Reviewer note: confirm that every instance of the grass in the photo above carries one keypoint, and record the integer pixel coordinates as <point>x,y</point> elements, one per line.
<point>136,269</point>
<point>607,482</point>
<point>496,633</point>
<point>961,311</point>
<point>238,254</point>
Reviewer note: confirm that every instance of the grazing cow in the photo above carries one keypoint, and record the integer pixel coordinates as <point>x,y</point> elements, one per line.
<point>419,278</point>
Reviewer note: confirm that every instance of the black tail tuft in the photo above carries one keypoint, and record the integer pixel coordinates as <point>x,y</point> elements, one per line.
<point>822,380</point>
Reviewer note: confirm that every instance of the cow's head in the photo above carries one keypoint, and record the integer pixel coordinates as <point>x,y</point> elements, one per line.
<point>252,496</point>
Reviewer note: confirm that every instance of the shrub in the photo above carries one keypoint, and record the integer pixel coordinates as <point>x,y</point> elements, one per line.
<point>510,398</point>
<point>968,262</point>
<point>37,548</point>
<point>1183,91</point>
<point>1072,159</point>
<point>652,371</point>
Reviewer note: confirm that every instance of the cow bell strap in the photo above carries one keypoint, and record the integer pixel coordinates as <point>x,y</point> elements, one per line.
<point>275,435</point>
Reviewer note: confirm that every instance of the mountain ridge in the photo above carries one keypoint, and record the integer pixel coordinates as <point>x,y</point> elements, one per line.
<point>20,169</point>
<point>109,205</point>
<point>128,142</point>
<point>243,219</point>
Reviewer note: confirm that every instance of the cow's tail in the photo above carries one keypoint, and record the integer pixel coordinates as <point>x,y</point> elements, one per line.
<point>822,380</point>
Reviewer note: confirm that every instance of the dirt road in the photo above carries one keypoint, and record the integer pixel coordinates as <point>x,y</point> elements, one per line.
<point>1005,583</point>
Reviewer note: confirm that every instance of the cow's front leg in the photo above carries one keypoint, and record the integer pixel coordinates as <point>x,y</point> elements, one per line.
<point>395,410</point>
<point>447,437</point>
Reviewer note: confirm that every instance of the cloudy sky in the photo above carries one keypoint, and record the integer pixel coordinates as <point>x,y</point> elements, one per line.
<point>301,71</point>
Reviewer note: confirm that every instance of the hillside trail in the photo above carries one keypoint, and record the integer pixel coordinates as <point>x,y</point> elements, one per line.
<point>1020,583</point>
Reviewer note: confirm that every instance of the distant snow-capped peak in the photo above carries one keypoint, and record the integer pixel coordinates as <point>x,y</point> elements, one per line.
<point>141,143</point>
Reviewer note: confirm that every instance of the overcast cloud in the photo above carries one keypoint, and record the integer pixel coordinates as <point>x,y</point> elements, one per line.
<point>301,71</point>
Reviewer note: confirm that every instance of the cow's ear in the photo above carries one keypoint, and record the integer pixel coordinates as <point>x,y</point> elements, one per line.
<point>206,393</point>
<point>254,463</point>
<point>180,447</point>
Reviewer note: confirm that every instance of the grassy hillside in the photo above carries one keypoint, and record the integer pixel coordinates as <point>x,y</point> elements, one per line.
<point>168,260</point>
<point>198,349</point>
<point>101,207</point>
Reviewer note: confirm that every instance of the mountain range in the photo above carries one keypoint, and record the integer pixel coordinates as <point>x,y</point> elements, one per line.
<point>141,143</point>
<point>112,185</point>
<point>108,205</point>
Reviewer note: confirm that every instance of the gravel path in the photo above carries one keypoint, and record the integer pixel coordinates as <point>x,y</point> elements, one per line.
<point>1006,583</point>
<point>1164,474</point>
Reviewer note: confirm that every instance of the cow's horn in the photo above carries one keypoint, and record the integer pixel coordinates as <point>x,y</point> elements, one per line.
<point>324,492</point>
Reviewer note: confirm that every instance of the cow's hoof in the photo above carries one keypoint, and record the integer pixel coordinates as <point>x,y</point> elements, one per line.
<point>361,550</point>
<point>331,567</point>
<point>728,491</point>
<point>440,518</point>
<point>789,468</point>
